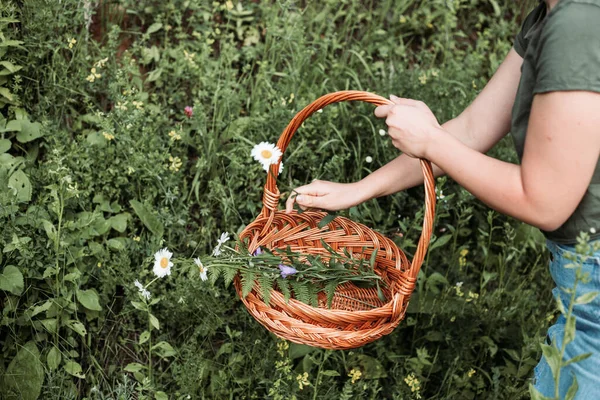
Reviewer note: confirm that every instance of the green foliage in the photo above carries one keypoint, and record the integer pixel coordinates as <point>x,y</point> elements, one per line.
<point>103,167</point>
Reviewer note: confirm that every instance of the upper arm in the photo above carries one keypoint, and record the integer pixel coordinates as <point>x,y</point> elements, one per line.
<point>561,152</point>
<point>488,118</point>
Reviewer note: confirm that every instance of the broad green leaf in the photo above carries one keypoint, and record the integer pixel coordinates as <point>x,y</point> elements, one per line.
<point>19,182</point>
<point>161,396</point>
<point>119,222</point>
<point>117,244</point>
<point>552,357</point>
<point>164,349</point>
<point>300,350</point>
<point>29,131</point>
<point>24,376</point>
<point>154,75</point>
<point>154,321</point>
<point>586,298</point>
<point>155,27</point>
<point>139,305</point>
<point>53,358</point>
<point>134,367</point>
<point>439,242</point>
<point>148,219</point>
<point>89,299</point>
<point>44,307</point>
<point>51,325</point>
<point>11,280</point>
<point>144,337</point>
<point>77,327</point>
<point>535,395</point>
<point>330,372</point>
<point>73,368</point>
<point>4,145</point>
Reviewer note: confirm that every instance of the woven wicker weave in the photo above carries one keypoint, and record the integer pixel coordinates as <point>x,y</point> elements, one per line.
<point>357,316</point>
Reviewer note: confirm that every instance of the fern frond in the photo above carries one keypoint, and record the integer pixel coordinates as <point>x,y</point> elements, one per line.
<point>330,292</point>
<point>284,287</point>
<point>313,300</point>
<point>228,274</point>
<point>248,277</point>
<point>301,291</point>
<point>266,285</point>
<point>213,273</point>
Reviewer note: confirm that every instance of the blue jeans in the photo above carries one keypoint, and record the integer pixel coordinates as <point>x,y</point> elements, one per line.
<point>587,332</point>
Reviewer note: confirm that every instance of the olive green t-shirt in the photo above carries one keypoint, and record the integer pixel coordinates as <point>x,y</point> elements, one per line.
<point>561,51</point>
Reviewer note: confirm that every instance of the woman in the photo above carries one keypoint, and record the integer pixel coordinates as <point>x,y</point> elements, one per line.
<point>551,82</point>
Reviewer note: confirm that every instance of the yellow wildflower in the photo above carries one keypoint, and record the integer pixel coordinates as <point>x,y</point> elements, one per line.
<point>402,19</point>
<point>414,384</point>
<point>229,5</point>
<point>72,42</point>
<point>458,289</point>
<point>100,63</point>
<point>471,372</point>
<point>93,75</point>
<point>355,374</point>
<point>136,238</point>
<point>302,380</point>
<point>121,106</point>
<point>174,136</point>
<point>175,163</point>
<point>423,78</point>
<point>108,136</point>
<point>138,104</point>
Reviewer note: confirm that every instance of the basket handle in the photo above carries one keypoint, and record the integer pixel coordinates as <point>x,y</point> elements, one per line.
<point>271,192</point>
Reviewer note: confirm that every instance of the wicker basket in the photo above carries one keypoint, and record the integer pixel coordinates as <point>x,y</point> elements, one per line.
<point>349,323</point>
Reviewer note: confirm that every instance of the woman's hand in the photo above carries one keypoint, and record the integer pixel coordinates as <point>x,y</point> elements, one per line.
<point>327,196</point>
<point>412,125</point>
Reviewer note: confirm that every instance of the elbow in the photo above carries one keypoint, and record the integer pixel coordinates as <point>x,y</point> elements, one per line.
<point>549,221</point>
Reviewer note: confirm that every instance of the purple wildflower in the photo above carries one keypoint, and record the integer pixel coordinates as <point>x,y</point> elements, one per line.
<point>189,111</point>
<point>286,270</point>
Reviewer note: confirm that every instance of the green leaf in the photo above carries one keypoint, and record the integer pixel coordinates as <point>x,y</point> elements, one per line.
<point>117,244</point>
<point>325,220</point>
<point>586,298</point>
<point>439,242</point>
<point>148,219</point>
<point>154,321</point>
<point>300,350</point>
<point>29,131</point>
<point>154,75</point>
<point>24,376</point>
<point>330,372</point>
<point>330,292</point>
<point>560,305</point>
<point>301,291</point>
<point>248,278</point>
<point>576,359</point>
<point>77,327</point>
<point>161,396</point>
<point>552,357</point>
<point>228,275</point>
<point>51,325</point>
<point>19,182</point>
<point>73,368</point>
<point>572,389</point>
<point>44,307</point>
<point>139,305</point>
<point>535,395</point>
<point>119,222</point>
<point>4,145</point>
<point>134,367</point>
<point>11,280</point>
<point>53,358</point>
<point>213,274</point>
<point>89,299</point>
<point>569,330</point>
<point>266,285</point>
<point>164,349</point>
<point>144,337</point>
<point>373,258</point>
<point>155,27</point>
<point>284,288</point>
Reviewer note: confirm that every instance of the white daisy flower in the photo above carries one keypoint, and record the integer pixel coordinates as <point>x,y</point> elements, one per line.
<point>280,168</point>
<point>369,159</point>
<point>592,230</point>
<point>382,132</point>
<point>320,110</point>
<point>217,250</point>
<point>266,154</point>
<point>162,263</point>
<point>138,285</point>
<point>202,269</point>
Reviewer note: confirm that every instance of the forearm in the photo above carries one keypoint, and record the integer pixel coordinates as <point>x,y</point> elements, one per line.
<point>405,172</point>
<point>498,184</point>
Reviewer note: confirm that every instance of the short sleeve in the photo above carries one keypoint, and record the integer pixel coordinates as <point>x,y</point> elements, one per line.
<point>569,50</point>
<point>521,40</point>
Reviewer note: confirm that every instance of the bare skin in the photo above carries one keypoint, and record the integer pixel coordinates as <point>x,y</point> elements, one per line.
<point>551,160</point>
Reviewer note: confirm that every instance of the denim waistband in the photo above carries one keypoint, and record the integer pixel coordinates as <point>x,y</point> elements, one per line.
<point>562,250</point>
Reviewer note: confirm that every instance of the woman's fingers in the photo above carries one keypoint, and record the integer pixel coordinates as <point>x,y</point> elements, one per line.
<point>304,195</point>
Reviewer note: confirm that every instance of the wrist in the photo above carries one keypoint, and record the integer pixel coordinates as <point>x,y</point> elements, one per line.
<point>438,139</point>
<point>364,190</point>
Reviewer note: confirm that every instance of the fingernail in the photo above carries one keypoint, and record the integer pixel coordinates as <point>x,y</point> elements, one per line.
<point>299,198</point>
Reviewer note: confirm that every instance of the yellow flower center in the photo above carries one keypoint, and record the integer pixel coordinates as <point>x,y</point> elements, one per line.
<point>201,269</point>
<point>266,153</point>
<point>164,262</point>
